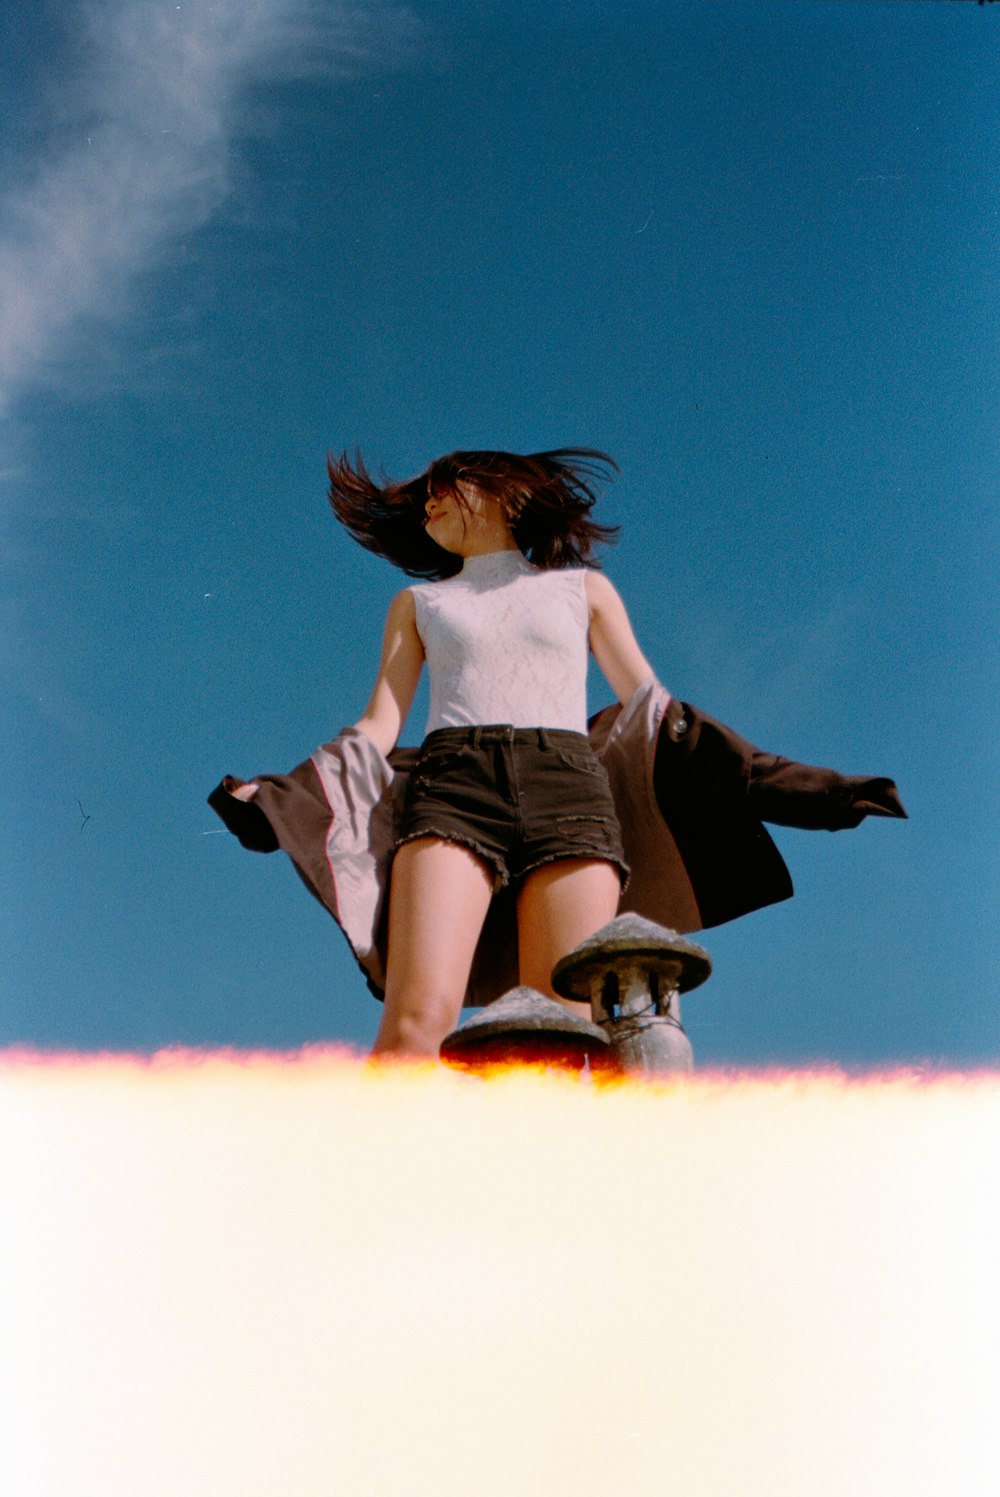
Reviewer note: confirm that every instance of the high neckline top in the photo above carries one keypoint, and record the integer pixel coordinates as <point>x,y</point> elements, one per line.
<point>495,566</point>
<point>506,642</point>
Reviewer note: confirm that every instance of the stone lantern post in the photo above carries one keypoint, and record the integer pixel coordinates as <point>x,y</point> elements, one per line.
<point>525,1028</point>
<point>633,971</point>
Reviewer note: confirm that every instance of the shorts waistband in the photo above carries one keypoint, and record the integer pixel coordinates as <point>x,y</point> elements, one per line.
<point>505,733</point>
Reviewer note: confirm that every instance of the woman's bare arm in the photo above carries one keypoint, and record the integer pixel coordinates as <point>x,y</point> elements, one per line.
<point>615,647</point>
<point>398,674</point>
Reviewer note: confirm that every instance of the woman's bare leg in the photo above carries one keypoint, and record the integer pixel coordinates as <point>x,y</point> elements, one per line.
<point>438,897</point>
<point>559,905</point>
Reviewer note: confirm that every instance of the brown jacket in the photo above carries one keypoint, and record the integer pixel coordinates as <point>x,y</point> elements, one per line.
<point>690,794</point>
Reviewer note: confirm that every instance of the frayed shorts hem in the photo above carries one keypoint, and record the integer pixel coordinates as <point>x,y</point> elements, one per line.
<point>501,876</point>
<point>436,834</point>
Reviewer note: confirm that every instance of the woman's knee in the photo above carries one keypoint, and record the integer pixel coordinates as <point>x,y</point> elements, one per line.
<point>415,1023</point>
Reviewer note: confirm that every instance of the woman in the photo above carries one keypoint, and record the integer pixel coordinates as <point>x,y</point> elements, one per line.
<point>506,793</point>
<point>505,639</point>
<point>507,787</point>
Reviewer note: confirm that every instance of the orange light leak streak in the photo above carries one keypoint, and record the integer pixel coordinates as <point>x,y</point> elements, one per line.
<point>260,1275</point>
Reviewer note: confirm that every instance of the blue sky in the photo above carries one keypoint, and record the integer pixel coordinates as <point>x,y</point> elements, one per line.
<point>749,250</point>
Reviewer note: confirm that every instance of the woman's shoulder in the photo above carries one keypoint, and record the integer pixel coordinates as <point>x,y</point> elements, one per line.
<point>435,585</point>
<point>402,608</point>
<point>419,594</point>
<point>600,589</point>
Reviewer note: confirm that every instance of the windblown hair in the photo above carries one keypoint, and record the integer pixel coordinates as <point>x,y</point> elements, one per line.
<point>546,499</point>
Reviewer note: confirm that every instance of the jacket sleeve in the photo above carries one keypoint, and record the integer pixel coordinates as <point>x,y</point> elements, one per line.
<point>243,818</point>
<point>803,795</point>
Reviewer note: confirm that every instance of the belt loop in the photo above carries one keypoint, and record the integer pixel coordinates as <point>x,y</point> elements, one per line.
<point>476,734</point>
<point>543,739</point>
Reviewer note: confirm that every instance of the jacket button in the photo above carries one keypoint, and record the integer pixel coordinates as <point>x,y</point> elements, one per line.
<point>680,726</point>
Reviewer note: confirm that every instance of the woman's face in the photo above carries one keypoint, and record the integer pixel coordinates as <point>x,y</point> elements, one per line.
<point>458,524</point>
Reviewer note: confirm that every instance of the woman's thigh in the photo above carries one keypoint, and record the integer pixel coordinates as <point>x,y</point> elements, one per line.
<point>558,906</point>
<point>439,893</point>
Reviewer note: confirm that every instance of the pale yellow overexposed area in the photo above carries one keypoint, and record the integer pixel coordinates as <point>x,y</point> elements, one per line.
<point>267,1276</point>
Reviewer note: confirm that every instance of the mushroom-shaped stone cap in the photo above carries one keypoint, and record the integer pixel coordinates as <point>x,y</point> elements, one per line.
<point>631,940</point>
<point>523,1017</point>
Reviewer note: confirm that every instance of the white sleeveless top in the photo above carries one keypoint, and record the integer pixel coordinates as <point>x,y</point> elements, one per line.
<point>505,642</point>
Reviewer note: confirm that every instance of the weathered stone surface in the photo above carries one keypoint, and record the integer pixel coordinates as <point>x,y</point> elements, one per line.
<point>524,1027</point>
<point>631,941</point>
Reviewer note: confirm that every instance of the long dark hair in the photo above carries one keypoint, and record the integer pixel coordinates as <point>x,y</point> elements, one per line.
<point>545,497</point>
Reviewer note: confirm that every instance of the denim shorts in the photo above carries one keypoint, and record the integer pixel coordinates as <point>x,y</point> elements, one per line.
<point>518,797</point>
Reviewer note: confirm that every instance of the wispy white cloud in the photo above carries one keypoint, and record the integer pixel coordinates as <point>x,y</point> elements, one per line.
<point>142,155</point>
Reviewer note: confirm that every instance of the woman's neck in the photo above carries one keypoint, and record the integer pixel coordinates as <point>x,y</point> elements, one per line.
<point>487,543</point>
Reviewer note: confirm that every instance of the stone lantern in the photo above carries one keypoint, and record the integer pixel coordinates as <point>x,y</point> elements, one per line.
<point>633,971</point>
<point>525,1028</point>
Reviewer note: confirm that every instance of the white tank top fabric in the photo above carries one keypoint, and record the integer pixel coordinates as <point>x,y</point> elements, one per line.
<point>505,642</point>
